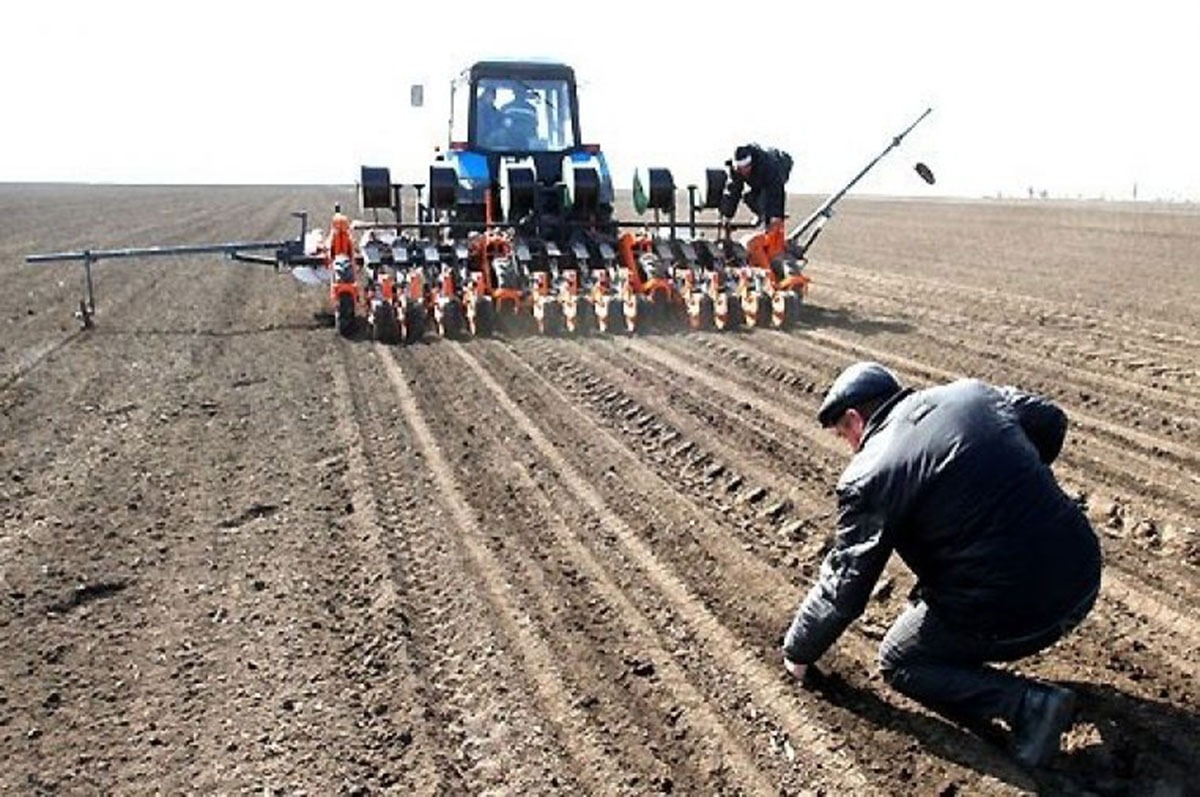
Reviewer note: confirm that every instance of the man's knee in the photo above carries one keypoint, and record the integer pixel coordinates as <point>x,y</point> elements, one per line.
<point>890,662</point>
<point>904,645</point>
<point>897,670</point>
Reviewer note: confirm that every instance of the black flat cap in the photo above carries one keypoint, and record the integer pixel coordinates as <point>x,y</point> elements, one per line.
<point>857,384</point>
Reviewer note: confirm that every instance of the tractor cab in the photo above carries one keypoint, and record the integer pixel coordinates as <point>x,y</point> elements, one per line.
<point>515,108</point>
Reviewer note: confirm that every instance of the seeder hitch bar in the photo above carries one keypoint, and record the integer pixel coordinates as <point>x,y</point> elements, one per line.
<point>288,253</point>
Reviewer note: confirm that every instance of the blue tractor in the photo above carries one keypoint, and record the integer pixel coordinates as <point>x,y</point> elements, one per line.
<point>516,156</point>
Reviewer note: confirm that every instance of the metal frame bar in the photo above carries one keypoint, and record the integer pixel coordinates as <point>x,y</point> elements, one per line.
<point>231,249</point>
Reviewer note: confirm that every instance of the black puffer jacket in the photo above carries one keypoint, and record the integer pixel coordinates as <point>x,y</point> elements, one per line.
<point>770,169</point>
<point>957,480</point>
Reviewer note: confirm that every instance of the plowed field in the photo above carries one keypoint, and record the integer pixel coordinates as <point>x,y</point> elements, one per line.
<point>239,554</point>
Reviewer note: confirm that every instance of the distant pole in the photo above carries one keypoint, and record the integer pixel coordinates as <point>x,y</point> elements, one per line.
<point>1135,191</point>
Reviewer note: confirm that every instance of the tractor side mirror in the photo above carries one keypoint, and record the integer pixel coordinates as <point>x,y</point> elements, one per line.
<point>416,94</point>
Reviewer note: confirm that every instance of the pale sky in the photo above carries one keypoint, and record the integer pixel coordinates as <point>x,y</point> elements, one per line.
<point>1076,98</point>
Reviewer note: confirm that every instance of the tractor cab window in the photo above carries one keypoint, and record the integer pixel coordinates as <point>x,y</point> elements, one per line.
<point>523,115</point>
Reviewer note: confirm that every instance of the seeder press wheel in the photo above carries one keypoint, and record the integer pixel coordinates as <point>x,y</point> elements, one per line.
<point>385,326</point>
<point>414,322</point>
<point>344,315</point>
<point>785,311</point>
<point>610,314</point>
<point>728,313</point>
<point>757,310</point>
<point>450,321</point>
<point>549,318</point>
<point>579,317</point>
<point>482,319</point>
<point>701,313</point>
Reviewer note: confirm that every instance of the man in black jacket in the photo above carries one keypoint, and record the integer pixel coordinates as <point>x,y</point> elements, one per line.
<point>766,171</point>
<point>956,479</point>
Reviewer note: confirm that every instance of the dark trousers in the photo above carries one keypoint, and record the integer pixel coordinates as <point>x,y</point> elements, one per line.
<point>945,668</point>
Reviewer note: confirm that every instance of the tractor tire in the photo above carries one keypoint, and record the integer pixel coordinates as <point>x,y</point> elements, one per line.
<point>414,323</point>
<point>343,317</point>
<point>385,326</point>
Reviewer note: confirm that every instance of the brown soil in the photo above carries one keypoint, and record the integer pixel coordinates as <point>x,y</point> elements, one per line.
<point>240,554</point>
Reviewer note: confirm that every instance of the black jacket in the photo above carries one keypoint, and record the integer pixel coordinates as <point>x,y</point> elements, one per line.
<point>956,479</point>
<point>769,172</point>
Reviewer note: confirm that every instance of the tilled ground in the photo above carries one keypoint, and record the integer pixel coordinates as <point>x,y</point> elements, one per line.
<point>239,554</point>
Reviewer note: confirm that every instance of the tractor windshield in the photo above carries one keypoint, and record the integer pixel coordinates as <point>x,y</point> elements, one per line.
<point>523,115</point>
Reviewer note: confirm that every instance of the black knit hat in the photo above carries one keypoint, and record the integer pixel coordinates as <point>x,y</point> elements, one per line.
<point>860,383</point>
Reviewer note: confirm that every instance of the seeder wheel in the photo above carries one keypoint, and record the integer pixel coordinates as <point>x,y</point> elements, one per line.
<point>414,322</point>
<point>633,310</point>
<point>701,313</point>
<point>482,318</point>
<point>728,313</point>
<point>757,310</point>
<point>785,310</point>
<point>450,321</point>
<point>550,318</point>
<point>385,327</point>
<point>610,315</point>
<point>579,317</point>
<point>343,316</point>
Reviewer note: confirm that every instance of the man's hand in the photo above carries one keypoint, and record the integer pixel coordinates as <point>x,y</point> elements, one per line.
<point>794,669</point>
